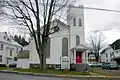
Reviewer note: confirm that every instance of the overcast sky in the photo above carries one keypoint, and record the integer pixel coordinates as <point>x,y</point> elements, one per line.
<point>98,20</point>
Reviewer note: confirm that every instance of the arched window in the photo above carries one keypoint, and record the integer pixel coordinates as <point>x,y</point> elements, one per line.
<point>77,40</point>
<point>48,48</point>
<point>65,46</point>
<point>80,24</point>
<point>74,22</point>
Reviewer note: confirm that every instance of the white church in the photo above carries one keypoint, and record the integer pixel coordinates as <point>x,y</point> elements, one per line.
<point>68,41</point>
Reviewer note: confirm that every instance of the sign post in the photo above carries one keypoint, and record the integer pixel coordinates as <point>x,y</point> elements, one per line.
<point>65,62</point>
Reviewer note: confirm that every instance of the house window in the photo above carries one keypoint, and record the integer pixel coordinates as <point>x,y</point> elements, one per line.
<point>16,50</point>
<point>10,52</point>
<point>1,47</point>
<point>106,55</point>
<point>0,58</point>
<point>116,51</point>
<point>65,46</point>
<point>21,49</point>
<point>74,22</point>
<point>15,58</point>
<point>77,40</point>
<point>80,24</point>
<point>112,54</point>
<point>48,49</point>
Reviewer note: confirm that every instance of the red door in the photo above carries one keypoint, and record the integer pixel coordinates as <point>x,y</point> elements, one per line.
<point>78,57</point>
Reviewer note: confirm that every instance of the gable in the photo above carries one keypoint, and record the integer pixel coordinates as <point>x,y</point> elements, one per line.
<point>116,45</point>
<point>24,54</point>
<point>57,23</point>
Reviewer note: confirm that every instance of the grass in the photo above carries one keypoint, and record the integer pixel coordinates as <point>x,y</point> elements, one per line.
<point>102,73</point>
<point>3,68</point>
<point>52,72</point>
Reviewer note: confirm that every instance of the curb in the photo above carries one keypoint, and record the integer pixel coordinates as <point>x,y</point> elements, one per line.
<point>60,76</point>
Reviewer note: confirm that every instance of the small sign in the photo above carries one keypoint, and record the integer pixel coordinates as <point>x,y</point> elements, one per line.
<point>65,62</point>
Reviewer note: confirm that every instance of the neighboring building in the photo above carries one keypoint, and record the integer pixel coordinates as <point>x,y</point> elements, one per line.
<point>107,54</point>
<point>68,41</point>
<point>112,52</point>
<point>91,56</point>
<point>27,47</point>
<point>8,50</point>
<point>23,59</point>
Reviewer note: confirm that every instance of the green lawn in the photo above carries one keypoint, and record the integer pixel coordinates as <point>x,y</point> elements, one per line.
<point>3,68</point>
<point>102,73</point>
<point>52,72</point>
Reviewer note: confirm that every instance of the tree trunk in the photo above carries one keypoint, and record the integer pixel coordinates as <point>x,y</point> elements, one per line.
<point>42,61</point>
<point>43,55</point>
<point>97,58</point>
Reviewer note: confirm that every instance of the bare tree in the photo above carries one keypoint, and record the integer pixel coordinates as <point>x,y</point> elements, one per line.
<point>36,13</point>
<point>1,8</point>
<point>96,41</point>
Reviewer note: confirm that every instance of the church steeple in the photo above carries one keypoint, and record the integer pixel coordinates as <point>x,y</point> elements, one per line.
<point>75,19</point>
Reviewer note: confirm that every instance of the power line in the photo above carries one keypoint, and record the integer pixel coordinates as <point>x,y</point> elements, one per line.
<point>81,6</point>
<point>104,30</point>
<point>101,9</point>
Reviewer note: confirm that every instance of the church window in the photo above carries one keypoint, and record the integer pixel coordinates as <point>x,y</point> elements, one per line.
<point>77,40</point>
<point>74,22</point>
<point>80,24</point>
<point>65,46</point>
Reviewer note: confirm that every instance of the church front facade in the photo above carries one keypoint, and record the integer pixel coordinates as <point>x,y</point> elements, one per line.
<point>68,41</point>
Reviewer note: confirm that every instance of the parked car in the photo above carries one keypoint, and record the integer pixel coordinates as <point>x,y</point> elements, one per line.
<point>94,64</point>
<point>110,65</point>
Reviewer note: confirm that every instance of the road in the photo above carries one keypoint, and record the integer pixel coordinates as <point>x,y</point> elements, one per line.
<point>10,76</point>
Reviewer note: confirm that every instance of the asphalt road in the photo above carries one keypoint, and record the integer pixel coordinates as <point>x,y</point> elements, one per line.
<point>10,76</point>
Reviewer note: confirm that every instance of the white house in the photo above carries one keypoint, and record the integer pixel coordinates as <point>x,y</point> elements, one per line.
<point>112,52</point>
<point>23,57</point>
<point>107,54</point>
<point>8,50</point>
<point>68,41</point>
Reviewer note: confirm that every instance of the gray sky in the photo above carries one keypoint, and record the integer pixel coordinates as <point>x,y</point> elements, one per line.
<point>100,20</point>
<point>97,20</point>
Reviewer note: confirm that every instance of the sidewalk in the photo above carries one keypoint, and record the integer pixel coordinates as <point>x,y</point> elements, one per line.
<point>95,76</point>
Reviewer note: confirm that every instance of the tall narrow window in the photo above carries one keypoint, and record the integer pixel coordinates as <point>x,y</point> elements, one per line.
<point>80,24</point>
<point>74,22</point>
<point>1,47</point>
<point>10,52</point>
<point>21,49</point>
<point>48,49</point>
<point>106,55</point>
<point>0,58</point>
<point>77,40</point>
<point>16,50</point>
<point>65,46</point>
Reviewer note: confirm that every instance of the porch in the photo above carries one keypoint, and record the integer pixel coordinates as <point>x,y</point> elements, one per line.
<point>79,54</point>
